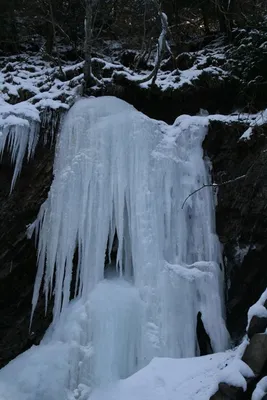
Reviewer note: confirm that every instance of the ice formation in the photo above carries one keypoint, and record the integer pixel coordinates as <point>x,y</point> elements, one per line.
<point>118,173</point>
<point>19,130</point>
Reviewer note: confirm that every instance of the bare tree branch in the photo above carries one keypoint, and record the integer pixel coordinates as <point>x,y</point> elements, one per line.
<point>213,185</point>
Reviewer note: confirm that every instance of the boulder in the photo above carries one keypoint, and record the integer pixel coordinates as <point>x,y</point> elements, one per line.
<point>257,325</point>
<point>255,355</point>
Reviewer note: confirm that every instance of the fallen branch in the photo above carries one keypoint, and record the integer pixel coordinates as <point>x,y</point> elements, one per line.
<point>213,185</point>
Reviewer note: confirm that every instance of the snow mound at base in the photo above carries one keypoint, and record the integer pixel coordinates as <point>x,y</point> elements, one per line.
<point>164,378</point>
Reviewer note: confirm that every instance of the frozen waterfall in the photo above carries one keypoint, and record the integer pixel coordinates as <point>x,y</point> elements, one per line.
<point>119,174</point>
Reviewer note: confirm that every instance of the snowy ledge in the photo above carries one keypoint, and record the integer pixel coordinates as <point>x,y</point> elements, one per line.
<point>31,96</point>
<point>32,91</point>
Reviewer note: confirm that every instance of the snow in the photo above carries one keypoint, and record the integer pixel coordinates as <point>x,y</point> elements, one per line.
<point>236,373</point>
<point>241,252</point>
<point>258,308</point>
<point>50,103</point>
<point>172,379</point>
<point>247,134</point>
<point>173,80</point>
<point>255,120</point>
<point>260,390</point>
<point>177,79</point>
<point>43,373</point>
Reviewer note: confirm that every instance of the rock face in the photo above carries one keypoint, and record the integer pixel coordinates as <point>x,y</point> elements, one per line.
<point>18,254</point>
<point>208,92</point>
<point>241,214</point>
<point>242,227</point>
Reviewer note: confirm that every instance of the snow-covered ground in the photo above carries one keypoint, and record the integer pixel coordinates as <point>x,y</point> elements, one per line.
<point>30,377</point>
<point>176,79</point>
<point>170,379</point>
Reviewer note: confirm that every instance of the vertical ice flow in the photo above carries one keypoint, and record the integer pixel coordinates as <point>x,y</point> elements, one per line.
<point>117,171</point>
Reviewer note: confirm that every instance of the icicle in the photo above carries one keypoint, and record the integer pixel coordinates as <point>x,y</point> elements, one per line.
<point>19,136</point>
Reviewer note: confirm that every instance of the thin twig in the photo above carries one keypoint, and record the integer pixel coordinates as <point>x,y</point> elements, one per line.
<point>213,185</point>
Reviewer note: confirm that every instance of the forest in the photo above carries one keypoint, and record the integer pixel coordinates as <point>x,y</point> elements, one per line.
<point>48,25</point>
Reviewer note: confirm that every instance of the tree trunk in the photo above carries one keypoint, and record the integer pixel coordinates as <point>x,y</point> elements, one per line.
<point>88,28</point>
<point>13,26</point>
<point>205,16</point>
<point>49,39</point>
<point>225,17</point>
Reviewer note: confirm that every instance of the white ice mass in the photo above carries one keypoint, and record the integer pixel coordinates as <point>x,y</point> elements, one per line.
<point>119,174</point>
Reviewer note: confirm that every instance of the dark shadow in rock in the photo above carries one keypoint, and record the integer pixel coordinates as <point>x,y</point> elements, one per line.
<point>241,215</point>
<point>203,338</point>
<point>18,253</point>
